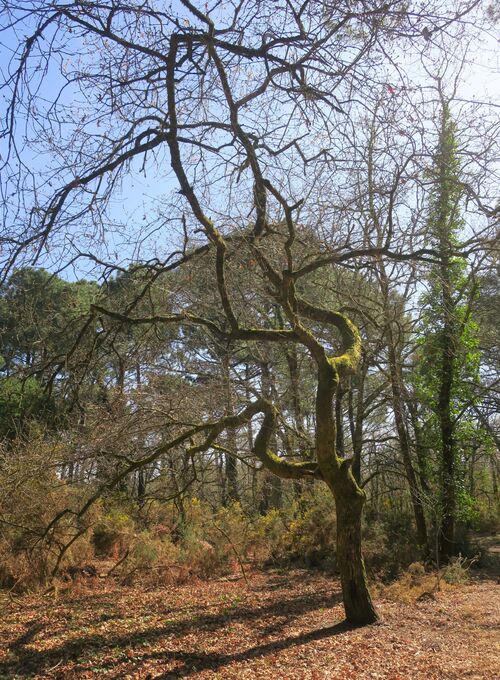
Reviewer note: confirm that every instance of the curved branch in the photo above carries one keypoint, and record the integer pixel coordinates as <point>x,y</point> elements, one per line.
<point>250,334</point>
<point>281,468</point>
<point>347,362</point>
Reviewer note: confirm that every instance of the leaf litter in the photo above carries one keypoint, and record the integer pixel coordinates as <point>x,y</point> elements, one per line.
<point>280,625</point>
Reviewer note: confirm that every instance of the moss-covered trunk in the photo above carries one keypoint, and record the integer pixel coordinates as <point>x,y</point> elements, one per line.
<point>349,501</point>
<point>333,468</point>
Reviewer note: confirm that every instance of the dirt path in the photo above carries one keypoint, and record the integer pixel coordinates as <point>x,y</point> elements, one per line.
<point>279,626</point>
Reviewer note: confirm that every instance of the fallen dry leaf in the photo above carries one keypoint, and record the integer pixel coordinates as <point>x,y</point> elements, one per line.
<point>282,625</point>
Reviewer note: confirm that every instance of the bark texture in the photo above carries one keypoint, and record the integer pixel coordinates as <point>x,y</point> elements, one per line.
<point>349,500</point>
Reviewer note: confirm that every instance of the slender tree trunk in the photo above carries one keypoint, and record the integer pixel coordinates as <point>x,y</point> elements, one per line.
<point>415,495</point>
<point>272,488</point>
<point>399,419</point>
<point>447,543</point>
<point>472,470</point>
<point>142,472</point>
<point>448,467</point>
<point>395,370</point>
<point>494,479</point>
<point>231,470</point>
<point>141,486</point>
<point>221,478</point>
<point>295,406</point>
<point>356,417</point>
<point>420,451</point>
<point>231,494</point>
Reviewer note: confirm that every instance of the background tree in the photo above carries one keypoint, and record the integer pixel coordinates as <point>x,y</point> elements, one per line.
<point>448,356</point>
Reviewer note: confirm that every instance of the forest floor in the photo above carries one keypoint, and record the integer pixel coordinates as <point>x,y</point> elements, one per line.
<point>278,625</point>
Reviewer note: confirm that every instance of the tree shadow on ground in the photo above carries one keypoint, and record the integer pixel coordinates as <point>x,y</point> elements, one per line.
<point>26,660</point>
<point>200,662</point>
<point>283,579</point>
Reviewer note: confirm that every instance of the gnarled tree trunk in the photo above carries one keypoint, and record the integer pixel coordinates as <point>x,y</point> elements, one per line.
<point>349,501</point>
<point>349,496</point>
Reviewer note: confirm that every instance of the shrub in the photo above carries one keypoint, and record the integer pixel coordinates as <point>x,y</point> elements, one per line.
<point>412,585</point>
<point>31,495</point>
<point>457,571</point>
<point>389,544</point>
<point>114,533</point>
<point>153,560</point>
<point>312,532</point>
<point>212,543</point>
<point>271,539</point>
